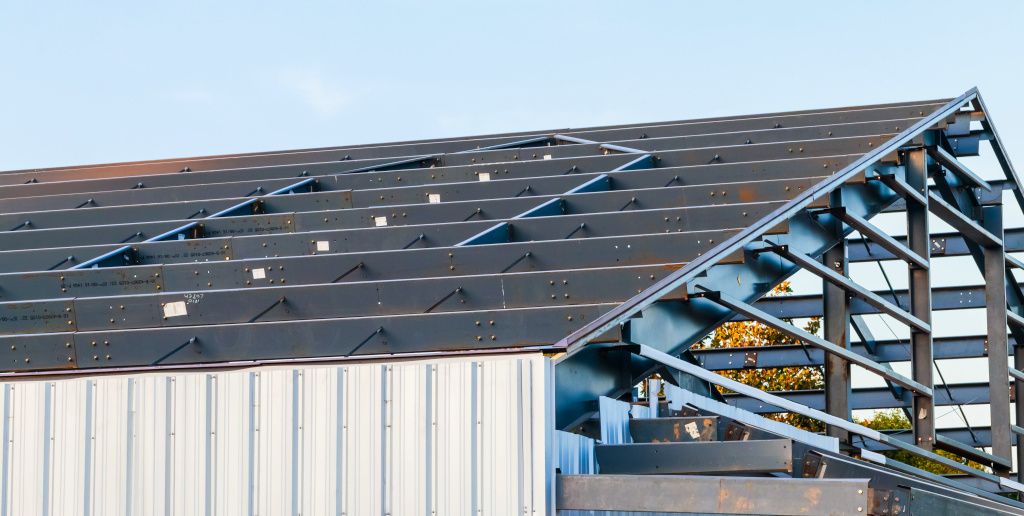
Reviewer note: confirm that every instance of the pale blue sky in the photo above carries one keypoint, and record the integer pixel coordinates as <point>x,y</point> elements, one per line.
<point>91,82</point>
<point>111,81</point>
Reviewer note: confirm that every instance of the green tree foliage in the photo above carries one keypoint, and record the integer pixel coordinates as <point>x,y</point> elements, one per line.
<point>753,334</point>
<point>894,419</point>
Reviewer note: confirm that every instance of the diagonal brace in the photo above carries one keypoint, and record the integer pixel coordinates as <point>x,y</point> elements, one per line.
<point>875,234</point>
<point>855,290</point>
<point>788,329</point>
<point>961,223</point>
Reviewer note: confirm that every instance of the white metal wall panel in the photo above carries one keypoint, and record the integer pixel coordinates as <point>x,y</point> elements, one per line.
<point>456,436</point>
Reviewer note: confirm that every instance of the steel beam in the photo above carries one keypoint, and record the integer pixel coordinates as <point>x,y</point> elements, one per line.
<point>867,398</point>
<point>833,466</point>
<point>934,504</point>
<point>711,495</point>
<point>585,253</point>
<point>956,447</point>
<point>950,162</point>
<point>719,359</point>
<point>696,457</point>
<point>967,227</point>
<point>842,281</point>
<point>753,313</point>
<point>750,420</point>
<point>901,187</point>
<point>878,236</point>
<point>359,337</point>
<point>395,297</point>
<point>673,429</point>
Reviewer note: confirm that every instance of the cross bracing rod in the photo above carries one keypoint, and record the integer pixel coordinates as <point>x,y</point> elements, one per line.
<point>789,406</point>
<point>633,131</point>
<point>852,288</point>
<point>799,334</point>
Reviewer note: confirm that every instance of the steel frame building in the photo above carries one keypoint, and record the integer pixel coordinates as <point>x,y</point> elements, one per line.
<point>538,277</point>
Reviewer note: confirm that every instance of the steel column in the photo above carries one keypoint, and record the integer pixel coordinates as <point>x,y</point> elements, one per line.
<point>1018,391</point>
<point>837,328</point>
<point>995,311</point>
<point>920,300</point>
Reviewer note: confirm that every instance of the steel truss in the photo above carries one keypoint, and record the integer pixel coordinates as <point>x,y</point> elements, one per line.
<point>927,179</point>
<point>615,249</point>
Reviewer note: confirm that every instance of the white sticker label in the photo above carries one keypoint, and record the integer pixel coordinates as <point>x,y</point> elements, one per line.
<point>259,273</point>
<point>691,428</point>
<point>380,221</point>
<point>175,309</point>
<point>323,245</point>
<point>485,176</point>
<point>434,198</point>
<point>547,156</point>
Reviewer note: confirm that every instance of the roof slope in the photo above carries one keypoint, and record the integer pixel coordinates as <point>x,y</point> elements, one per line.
<point>481,243</point>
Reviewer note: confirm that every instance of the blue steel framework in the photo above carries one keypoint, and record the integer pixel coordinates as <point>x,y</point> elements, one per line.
<point>615,249</point>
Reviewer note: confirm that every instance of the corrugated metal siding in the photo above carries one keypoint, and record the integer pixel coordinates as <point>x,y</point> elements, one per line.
<point>465,436</point>
<point>576,454</point>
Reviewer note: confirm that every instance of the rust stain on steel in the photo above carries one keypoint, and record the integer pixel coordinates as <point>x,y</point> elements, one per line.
<point>813,495</point>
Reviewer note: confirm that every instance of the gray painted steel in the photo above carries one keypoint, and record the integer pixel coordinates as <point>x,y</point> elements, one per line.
<point>613,248</point>
<point>712,495</point>
<point>680,458</point>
